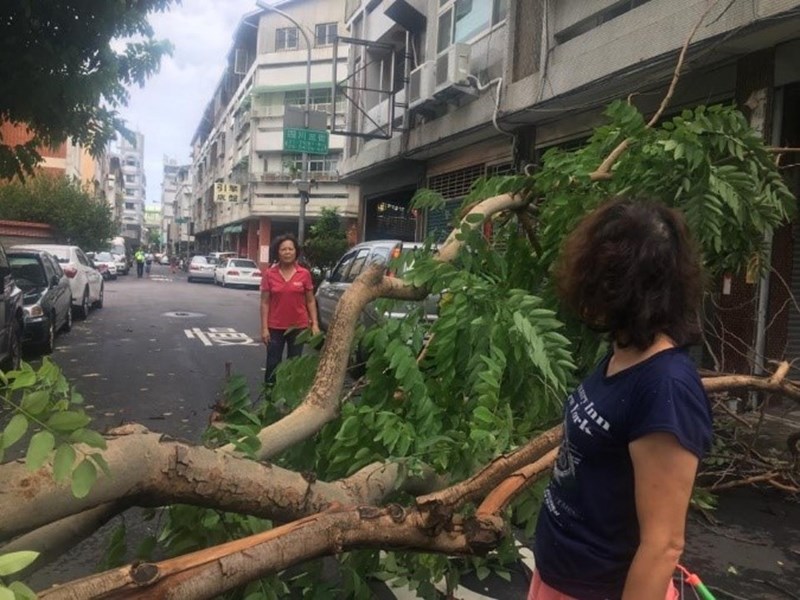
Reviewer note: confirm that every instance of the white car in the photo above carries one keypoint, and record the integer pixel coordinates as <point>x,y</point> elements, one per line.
<point>237,271</point>
<point>106,264</point>
<point>201,268</point>
<point>121,263</point>
<point>85,282</point>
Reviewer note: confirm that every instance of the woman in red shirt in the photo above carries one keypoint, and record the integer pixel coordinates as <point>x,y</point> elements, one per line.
<point>287,305</point>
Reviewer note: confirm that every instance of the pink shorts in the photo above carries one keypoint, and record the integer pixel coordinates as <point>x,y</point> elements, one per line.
<point>539,590</point>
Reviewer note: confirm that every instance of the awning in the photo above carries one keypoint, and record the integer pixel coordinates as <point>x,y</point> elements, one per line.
<point>233,229</point>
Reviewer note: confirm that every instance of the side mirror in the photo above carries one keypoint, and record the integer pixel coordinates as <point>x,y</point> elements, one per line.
<point>326,274</point>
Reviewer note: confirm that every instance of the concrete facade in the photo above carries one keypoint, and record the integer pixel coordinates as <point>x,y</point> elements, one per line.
<point>533,74</point>
<point>131,155</point>
<point>240,138</point>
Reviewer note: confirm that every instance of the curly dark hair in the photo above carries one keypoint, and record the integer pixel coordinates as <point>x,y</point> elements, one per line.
<point>632,268</point>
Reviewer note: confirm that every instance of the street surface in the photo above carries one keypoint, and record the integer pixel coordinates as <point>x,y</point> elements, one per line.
<point>156,354</point>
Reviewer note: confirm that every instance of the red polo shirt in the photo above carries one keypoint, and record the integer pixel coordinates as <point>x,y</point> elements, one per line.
<point>287,299</point>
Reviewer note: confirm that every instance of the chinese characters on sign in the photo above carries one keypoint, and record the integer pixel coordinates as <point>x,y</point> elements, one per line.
<point>226,192</point>
<point>310,141</point>
<point>220,336</point>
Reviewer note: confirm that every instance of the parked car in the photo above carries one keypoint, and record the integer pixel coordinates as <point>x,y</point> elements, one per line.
<point>237,271</point>
<point>11,317</point>
<point>350,266</point>
<point>47,298</point>
<point>122,264</point>
<point>106,264</point>
<point>85,281</point>
<point>201,268</point>
<point>221,256</point>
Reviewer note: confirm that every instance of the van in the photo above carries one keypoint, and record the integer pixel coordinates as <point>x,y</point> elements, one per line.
<point>351,265</point>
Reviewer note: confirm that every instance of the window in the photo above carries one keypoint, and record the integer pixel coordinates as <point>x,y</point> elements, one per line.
<point>325,34</point>
<point>130,192</point>
<point>320,99</point>
<point>340,271</point>
<point>130,178</point>
<point>286,38</point>
<point>358,265</point>
<point>130,206</point>
<point>316,164</point>
<point>462,20</point>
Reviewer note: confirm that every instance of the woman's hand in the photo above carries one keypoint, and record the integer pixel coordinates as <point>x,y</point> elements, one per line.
<point>315,329</point>
<point>265,335</point>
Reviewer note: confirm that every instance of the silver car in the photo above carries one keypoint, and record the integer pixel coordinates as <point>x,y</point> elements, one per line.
<point>201,268</point>
<point>351,265</point>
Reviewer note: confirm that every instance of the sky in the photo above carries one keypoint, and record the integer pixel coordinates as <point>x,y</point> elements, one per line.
<point>168,108</point>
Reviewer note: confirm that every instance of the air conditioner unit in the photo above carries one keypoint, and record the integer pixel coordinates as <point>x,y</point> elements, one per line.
<point>452,68</point>
<point>421,84</point>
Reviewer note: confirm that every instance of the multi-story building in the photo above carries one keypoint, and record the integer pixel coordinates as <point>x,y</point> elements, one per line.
<point>244,182</point>
<point>67,158</point>
<point>173,185</point>
<point>112,185</point>
<point>442,93</point>
<point>131,155</point>
<point>153,219</point>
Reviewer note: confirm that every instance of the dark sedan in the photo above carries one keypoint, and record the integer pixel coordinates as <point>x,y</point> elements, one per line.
<point>47,299</point>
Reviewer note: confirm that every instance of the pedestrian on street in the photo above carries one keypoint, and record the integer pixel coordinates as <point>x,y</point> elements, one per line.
<point>148,263</point>
<point>613,516</point>
<point>287,305</point>
<point>139,258</point>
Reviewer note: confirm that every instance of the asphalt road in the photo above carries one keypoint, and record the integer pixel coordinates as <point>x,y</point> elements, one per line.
<point>156,352</point>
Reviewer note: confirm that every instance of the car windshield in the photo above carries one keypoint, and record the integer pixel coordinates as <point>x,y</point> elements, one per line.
<point>200,260</point>
<point>27,271</point>
<point>60,252</point>
<point>103,257</point>
<point>244,264</point>
<point>211,260</point>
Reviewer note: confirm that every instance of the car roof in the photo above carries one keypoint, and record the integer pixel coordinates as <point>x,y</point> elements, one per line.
<point>26,250</point>
<point>47,247</point>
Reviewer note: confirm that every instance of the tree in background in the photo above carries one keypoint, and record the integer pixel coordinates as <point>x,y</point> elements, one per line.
<point>327,240</point>
<point>75,215</point>
<point>61,76</point>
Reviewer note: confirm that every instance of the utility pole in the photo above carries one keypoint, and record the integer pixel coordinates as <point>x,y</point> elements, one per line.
<point>303,184</point>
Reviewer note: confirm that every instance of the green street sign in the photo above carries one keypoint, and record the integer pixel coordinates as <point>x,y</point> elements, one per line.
<point>181,220</point>
<point>310,141</point>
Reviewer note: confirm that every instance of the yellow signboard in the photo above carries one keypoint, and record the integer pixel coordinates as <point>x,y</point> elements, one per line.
<point>226,192</point>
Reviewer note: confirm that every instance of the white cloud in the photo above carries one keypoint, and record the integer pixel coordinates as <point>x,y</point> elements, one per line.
<point>168,109</point>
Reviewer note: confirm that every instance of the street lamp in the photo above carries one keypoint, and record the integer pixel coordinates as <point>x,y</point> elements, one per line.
<point>303,185</point>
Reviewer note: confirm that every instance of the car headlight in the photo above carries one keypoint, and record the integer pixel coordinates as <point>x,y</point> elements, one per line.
<point>34,311</point>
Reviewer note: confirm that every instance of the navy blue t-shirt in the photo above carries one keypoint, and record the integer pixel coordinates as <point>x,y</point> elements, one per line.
<point>587,532</point>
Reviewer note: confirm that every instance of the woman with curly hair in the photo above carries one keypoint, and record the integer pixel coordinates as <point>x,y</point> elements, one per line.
<point>612,522</point>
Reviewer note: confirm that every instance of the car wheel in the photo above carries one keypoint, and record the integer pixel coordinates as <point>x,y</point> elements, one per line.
<point>83,310</point>
<point>68,319</point>
<point>99,302</point>
<point>50,341</point>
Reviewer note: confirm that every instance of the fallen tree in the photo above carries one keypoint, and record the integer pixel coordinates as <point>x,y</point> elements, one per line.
<point>441,448</point>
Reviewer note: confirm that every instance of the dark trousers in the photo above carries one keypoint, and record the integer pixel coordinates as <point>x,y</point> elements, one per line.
<point>139,269</point>
<point>278,339</point>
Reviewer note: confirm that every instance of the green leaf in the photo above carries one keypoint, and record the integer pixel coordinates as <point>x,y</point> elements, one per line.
<point>16,561</point>
<point>23,380</point>
<point>39,449</point>
<point>35,402</point>
<point>68,421</point>
<point>483,414</point>
<point>63,461</point>
<point>22,591</point>
<point>83,478</point>
<point>88,437</point>
<point>14,431</point>
<point>100,461</point>
<point>5,593</point>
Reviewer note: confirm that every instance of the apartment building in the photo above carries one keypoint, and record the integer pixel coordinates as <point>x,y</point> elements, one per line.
<point>442,93</point>
<point>245,185</point>
<point>175,203</point>
<point>131,156</point>
<point>112,185</point>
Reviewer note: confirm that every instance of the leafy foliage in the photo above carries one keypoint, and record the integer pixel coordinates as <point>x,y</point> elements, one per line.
<point>64,50</point>
<point>75,215</point>
<point>44,404</point>
<point>327,240</point>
